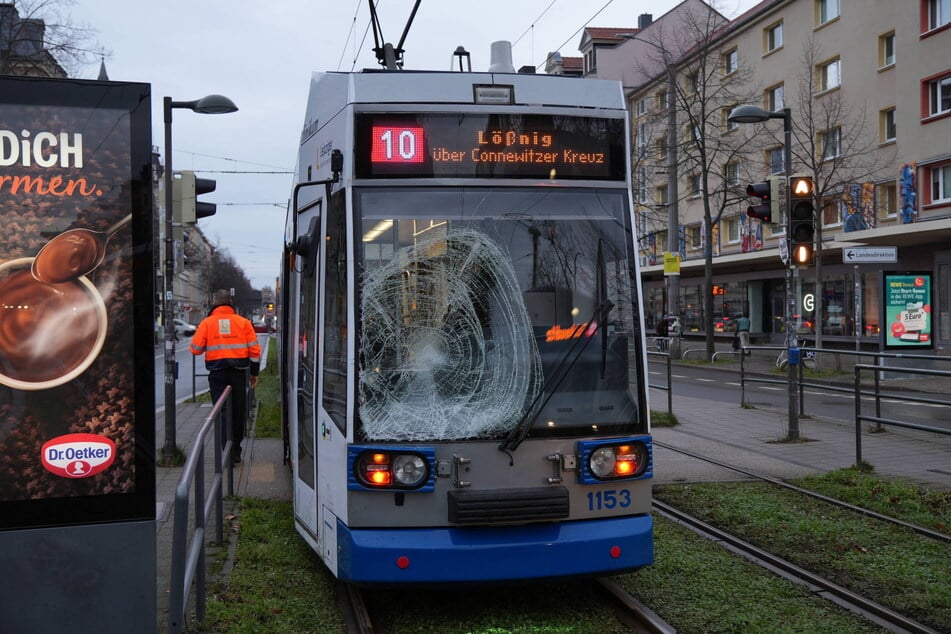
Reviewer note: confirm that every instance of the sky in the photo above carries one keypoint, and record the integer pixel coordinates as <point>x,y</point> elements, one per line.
<point>261,55</point>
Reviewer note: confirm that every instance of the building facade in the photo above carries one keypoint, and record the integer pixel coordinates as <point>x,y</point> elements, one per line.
<point>868,88</point>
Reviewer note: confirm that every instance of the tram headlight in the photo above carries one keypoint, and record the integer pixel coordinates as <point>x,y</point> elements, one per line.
<point>625,460</point>
<point>410,470</point>
<point>382,469</point>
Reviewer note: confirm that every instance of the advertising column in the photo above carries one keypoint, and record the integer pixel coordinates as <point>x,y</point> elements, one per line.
<point>77,402</point>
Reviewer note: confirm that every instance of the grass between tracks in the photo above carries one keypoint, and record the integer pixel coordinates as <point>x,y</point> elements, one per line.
<point>898,568</point>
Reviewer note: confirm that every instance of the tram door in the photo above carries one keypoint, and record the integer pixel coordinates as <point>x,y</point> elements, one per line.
<point>306,380</point>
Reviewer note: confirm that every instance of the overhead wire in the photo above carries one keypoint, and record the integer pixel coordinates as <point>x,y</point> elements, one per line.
<point>570,37</point>
<point>353,26</point>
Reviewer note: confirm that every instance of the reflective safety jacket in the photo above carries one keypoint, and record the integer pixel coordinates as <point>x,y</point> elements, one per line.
<point>228,341</point>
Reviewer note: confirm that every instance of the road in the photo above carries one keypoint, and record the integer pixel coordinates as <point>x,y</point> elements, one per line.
<point>719,385</point>
<point>183,385</point>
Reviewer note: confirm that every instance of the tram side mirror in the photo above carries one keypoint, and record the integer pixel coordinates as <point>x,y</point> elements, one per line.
<point>336,163</point>
<point>306,246</point>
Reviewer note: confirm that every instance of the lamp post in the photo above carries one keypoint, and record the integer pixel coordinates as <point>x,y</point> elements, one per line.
<point>211,104</point>
<point>755,114</point>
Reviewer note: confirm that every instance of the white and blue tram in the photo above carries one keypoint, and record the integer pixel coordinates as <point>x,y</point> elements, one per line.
<point>461,344</point>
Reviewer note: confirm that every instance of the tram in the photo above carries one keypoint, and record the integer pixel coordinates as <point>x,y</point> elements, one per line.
<point>461,348</point>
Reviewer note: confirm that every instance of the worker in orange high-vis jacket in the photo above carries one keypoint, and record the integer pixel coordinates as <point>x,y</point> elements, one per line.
<point>231,349</point>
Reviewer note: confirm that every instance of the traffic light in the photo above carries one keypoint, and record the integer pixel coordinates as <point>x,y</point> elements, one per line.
<point>186,208</point>
<point>802,230</point>
<point>768,193</point>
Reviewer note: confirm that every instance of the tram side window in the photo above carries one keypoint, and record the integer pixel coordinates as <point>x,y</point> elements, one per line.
<point>335,313</point>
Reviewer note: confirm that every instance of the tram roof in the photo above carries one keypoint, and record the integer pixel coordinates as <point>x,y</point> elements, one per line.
<point>435,88</point>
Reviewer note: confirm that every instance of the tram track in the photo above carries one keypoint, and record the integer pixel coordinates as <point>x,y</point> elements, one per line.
<point>921,530</point>
<point>631,612</point>
<point>844,597</point>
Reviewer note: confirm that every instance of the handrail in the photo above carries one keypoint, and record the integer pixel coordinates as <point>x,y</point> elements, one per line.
<point>188,558</point>
<point>859,418</point>
<point>669,387</point>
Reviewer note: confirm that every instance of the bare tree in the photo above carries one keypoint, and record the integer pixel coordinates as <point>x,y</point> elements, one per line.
<point>705,80</point>
<point>836,144</point>
<point>39,38</point>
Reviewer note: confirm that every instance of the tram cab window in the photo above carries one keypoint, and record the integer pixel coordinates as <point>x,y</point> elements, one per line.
<point>480,306</point>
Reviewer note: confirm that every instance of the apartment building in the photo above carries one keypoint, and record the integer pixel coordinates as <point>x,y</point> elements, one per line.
<point>868,87</point>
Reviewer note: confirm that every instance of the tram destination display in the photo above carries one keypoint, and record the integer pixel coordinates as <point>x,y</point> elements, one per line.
<point>467,145</point>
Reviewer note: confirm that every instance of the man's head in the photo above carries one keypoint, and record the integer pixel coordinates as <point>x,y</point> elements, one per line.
<point>222,297</point>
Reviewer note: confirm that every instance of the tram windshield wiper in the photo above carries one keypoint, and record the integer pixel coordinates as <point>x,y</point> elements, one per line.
<point>601,312</point>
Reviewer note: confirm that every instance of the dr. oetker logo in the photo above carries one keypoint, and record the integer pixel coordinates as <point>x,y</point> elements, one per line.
<point>78,455</point>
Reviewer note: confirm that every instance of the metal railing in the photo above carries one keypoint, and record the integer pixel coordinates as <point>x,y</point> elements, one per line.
<point>669,386</point>
<point>188,555</point>
<point>877,419</point>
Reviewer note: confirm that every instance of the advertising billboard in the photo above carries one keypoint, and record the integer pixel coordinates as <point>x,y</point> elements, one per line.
<point>906,301</point>
<point>76,293</point>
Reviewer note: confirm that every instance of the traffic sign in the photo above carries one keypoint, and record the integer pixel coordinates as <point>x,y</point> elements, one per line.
<point>858,255</point>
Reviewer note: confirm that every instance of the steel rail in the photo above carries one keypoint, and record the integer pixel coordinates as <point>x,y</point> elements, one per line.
<point>921,530</point>
<point>844,597</point>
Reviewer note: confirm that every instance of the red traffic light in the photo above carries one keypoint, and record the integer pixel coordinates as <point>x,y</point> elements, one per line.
<point>768,193</point>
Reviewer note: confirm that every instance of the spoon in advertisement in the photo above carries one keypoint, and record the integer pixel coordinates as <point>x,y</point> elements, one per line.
<point>73,253</point>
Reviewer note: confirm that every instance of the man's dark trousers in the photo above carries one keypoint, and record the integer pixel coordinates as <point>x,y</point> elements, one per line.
<point>238,380</point>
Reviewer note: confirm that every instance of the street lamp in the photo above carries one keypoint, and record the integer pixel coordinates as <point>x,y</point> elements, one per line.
<point>211,104</point>
<point>755,114</point>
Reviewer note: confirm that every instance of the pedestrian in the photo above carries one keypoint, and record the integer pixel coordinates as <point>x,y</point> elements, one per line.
<point>743,330</point>
<point>231,349</point>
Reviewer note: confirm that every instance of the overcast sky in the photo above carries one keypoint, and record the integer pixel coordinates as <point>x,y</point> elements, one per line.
<point>261,55</point>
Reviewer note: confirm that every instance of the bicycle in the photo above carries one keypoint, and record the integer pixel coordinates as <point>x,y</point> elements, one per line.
<point>806,357</point>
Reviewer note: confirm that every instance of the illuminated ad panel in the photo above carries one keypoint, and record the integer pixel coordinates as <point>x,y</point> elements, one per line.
<point>907,306</point>
<point>467,145</point>
<point>76,408</point>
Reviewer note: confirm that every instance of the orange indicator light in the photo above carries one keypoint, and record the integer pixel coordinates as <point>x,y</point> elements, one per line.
<point>624,467</point>
<point>380,477</point>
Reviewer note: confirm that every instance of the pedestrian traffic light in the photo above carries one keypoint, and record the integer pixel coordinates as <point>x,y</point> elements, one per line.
<point>186,208</point>
<point>802,230</point>
<point>768,193</point>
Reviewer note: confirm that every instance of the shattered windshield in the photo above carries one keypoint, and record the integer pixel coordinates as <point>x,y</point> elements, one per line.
<point>480,306</point>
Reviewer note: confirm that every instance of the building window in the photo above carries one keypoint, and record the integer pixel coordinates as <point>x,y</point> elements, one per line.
<point>773,37</point>
<point>832,211</point>
<point>733,229</point>
<point>826,10</point>
<point>694,186</point>
<point>774,98</point>
<point>731,174</point>
<point>730,61</point>
<point>941,184</point>
<point>641,140</point>
<point>829,75</point>
<point>693,236</point>
<point>642,186</point>
<point>660,195</point>
<point>661,99</point>
<point>641,107</point>
<point>775,159</point>
<point>887,128</point>
<point>830,141</point>
<point>886,199</point>
<point>939,91</point>
<point>729,125</point>
<point>662,148</point>
<point>939,13</point>
<point>886,50</point>
<point>693,83</point>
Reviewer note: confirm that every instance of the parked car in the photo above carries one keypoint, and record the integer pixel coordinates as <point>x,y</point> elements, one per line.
<point>182,327</point>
